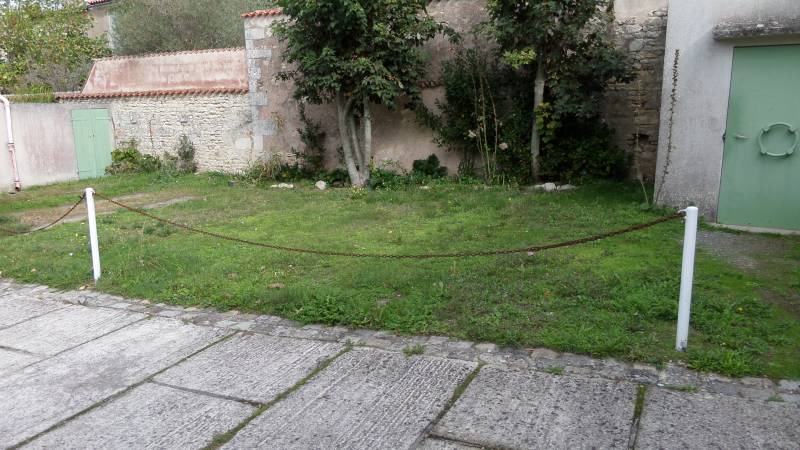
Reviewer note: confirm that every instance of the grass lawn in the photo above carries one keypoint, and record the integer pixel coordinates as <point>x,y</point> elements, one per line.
<point>611,298</point>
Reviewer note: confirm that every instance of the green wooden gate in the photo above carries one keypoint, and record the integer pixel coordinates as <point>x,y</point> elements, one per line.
<point>761,165</point>
<point>94,141</point>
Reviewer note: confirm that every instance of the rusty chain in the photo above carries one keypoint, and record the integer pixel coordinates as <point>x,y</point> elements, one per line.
<point>531,249</point>
<point>51,224</point>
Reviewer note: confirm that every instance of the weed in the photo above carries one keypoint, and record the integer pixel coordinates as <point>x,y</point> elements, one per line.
<point>688,388</point>
<point>412,350</point>
<point>554,370</point>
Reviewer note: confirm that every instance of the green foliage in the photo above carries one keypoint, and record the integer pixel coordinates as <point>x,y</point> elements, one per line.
<point>183,161</point>
<point>484,117</point>
<point>429,167</point>
<point>357,48</point>
<point>44,45</point>
<point>128,159</point>
<point>568,40</point>
<point>146,26</point>
<point>312,158</point>
<point>580,149</point>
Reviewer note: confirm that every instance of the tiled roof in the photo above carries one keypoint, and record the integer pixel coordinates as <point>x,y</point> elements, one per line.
<point>181,52</point>
<point>91,3</point>
<point>264,12</point>
<point>163,93</point>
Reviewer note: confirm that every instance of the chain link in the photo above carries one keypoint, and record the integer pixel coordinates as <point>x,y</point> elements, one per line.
<point>532,249</point>
<point>51,224</point>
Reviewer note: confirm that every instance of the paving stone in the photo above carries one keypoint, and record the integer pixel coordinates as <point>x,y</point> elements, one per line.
<point>16,309</point>
<point>518,408</point>
<point>250,367</point>
<point>65,328</point>
<point>11,361</point>
<point>442,444</point>
<point>149,416</point>
<point>676,420</point>
<point>40,396</point>
<point>789,386</point>
<point>366,398</point>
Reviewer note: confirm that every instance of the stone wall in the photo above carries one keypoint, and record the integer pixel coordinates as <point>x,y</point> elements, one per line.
<point>397,137</point>
<point>218,125</point>
<point>633,109</point>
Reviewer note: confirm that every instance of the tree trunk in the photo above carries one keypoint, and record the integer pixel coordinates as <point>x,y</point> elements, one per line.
<point>538,99</point>
<point>357,149</point>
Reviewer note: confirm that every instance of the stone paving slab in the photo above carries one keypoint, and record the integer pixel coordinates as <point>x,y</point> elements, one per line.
<point>522,408</point>
<point>12,360</point>
<point>441,444</point>
<point>678,420</point>
<point>365,399</point>
<point>42,395</point>
<point>16,309</point>
<point>250,367</point>
<point>149,416</point>
<point>65,328</point>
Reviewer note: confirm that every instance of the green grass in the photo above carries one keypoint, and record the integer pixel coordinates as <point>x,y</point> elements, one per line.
<point>616,297</point>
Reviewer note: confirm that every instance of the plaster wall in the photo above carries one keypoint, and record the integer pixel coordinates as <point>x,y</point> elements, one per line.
<point>697,122</point>
<point>44,145</point>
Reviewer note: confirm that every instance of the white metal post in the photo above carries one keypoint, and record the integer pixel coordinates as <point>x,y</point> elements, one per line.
<point>687,278</point>
<point>93,233</point>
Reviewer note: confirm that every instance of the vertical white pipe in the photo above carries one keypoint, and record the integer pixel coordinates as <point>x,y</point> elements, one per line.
<point>687,278</point>
<point>93,233</point>
<point>11,149</point>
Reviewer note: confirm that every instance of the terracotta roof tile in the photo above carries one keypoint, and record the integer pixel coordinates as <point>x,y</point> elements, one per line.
<point>264,12</point>
<point>91,3</point>
<point>163,93</point>
<point>181,52</point>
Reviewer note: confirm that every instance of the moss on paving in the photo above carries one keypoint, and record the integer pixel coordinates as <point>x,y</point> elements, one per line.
<point>616,297</point>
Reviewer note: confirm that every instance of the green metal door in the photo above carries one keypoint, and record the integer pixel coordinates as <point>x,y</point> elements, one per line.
<point>93,141</point>
<point>761,164</point>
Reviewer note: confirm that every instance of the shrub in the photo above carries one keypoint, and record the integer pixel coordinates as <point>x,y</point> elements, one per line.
<point>429,167</point>
<point>184,160</point>
<point>128,159</point>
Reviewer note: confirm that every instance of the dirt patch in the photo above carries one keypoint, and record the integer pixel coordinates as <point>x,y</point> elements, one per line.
<point>40,217</point>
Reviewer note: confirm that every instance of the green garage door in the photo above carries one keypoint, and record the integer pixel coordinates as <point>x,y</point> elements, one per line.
<point>94,141</point>
<point>761,164</point>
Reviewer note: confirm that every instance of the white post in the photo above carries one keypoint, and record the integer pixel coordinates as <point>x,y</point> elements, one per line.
<point>93,233</point>
<point>687,278</point>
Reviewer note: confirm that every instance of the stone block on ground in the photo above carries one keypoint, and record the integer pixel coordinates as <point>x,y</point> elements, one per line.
<point>12,360</point>
<point>521,408</point>
<point>149,416</point>
<point>65,328</point>
<point>680,420</point>
<point>365,399</point>
<point>42,395</point>
<point>17,309</point>
<point>250,367</point>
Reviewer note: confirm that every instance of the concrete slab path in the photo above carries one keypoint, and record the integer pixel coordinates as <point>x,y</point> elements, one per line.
<point>92,371</point>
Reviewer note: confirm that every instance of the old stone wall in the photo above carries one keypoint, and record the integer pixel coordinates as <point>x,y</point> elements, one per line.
<point>218,125</point>
<point>633,109</point>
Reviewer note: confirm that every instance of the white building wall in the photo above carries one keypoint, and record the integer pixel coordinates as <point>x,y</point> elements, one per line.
<point>700,112</point>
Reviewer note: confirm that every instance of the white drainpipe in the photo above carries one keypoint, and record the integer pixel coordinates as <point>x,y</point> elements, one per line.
<point>11,148</point>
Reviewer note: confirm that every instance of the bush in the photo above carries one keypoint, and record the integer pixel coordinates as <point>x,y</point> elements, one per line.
<point>128,159</point>
<point>429,167</point>
<point>184,161</point>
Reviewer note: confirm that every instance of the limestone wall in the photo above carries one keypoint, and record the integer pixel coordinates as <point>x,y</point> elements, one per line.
<point>218,125</point>
<point>633,109</point>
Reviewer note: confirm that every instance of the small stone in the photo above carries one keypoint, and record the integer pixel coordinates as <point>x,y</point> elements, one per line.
<point>550,187</point>
<point>321,185</point>
<point>282,186</point>
<point>789,386</point>
<point>276,286</point>
<point>543,353</point>
<point>567,187</point>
